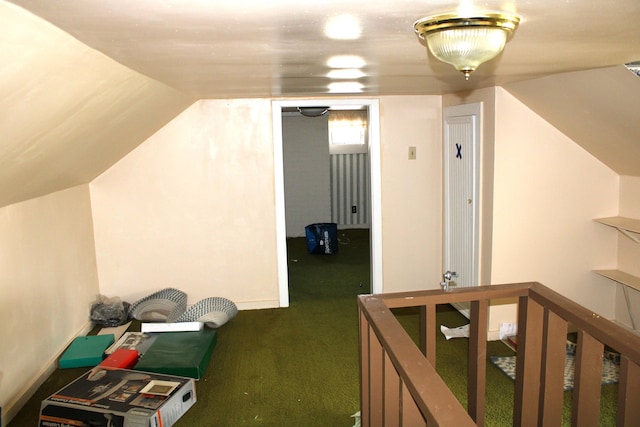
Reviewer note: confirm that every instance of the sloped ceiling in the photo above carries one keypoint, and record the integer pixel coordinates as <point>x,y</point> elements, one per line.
<point>68,111</point>
<point>93,81</point>
<point>596,108</point>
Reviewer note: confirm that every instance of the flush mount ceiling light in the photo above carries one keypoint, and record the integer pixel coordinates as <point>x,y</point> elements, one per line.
<point>343,27</point>
<point>634,67</point>
<point>345,87</point>
<point>345,73</point>
<point>346,61</point>
<point>466,42</point>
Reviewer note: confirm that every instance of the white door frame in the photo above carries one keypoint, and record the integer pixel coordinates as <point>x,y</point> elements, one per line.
<point>373,106</point>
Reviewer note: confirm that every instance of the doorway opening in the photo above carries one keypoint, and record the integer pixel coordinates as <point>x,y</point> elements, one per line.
<point>315,107</point>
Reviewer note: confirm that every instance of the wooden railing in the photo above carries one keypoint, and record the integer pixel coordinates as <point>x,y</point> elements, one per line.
<point>400,386</point>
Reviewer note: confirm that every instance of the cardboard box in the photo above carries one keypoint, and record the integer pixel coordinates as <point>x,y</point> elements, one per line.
<point>108,397</point>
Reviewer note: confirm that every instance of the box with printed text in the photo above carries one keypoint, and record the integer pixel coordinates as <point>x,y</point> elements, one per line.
<point>108,397</point>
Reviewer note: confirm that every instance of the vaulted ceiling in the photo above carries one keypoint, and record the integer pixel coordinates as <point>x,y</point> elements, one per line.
<point>75,105</point>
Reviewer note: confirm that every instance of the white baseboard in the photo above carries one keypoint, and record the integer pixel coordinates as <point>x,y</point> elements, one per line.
<point>258,305</point>
<point>462,309</point>
<point>15,405</point>
<point>493,335</point>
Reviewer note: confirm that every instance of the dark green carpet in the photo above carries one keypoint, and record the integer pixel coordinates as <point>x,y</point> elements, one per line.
<point>298,366</point>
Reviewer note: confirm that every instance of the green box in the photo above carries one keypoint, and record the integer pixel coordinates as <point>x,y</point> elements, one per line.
<point>185,354</point>
<point>85,351</point>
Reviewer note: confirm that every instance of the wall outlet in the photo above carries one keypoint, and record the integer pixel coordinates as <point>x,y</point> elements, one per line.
<point>354,209</point>
<point>412,153</point>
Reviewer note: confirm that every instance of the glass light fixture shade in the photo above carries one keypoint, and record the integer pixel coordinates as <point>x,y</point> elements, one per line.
<point>634,67</point>
<point>466,48</point>
<point>466,42</point>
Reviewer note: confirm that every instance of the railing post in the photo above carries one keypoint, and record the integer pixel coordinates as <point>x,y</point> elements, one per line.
<point>410,414</point>
<point>587,382</point>
<point>392,394</point>
<point>376,380</point>
<point>428,332</point>
<point>477,369</point>
<point>365,387</point>
<point>527,387</point>
<point>628,393</point>
<point>554,353</point>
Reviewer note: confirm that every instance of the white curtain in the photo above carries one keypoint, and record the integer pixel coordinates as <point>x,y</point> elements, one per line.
<point>348,127</point>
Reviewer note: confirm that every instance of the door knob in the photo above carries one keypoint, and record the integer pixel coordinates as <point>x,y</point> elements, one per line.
<point>448,275</point>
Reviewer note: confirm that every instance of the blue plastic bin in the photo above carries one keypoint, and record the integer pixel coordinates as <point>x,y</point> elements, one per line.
<point>322,238</point>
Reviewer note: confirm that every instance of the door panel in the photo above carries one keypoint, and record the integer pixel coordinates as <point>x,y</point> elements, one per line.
<point>461,141</point>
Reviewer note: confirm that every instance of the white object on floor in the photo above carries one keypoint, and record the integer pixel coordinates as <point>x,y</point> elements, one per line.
<point>117,331</point>
<point>172,327</point>
<point>357,418</point>
<point>508,330</point>
<point>459,332</point>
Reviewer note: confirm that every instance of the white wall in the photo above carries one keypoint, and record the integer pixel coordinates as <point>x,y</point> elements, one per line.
<point>48,282</point>
<point>540,193</point>
<point>411,192</point>
<point>547,190</point>
<point>193,208</point>
<point>307,183</point>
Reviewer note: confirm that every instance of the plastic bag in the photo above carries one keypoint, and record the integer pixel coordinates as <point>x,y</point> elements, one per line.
<point>109,311</point>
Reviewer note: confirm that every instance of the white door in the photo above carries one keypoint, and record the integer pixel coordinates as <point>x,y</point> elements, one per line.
<point>461,190</point>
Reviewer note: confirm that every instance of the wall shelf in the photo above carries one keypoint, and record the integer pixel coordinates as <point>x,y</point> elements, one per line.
<point>627,281</point>
<point>631,228</point>
<point>621,277</point>
<point>624,225</point>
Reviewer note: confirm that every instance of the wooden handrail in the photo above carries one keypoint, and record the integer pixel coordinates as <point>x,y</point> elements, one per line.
<point>400,386</point>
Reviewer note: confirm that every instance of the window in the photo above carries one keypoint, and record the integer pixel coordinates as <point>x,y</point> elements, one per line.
<point>348,130</point>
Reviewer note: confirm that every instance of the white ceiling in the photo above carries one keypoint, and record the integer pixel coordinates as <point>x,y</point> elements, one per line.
<point>273,48</point>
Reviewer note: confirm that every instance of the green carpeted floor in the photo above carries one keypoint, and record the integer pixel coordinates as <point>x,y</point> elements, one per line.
<point>298,366</point>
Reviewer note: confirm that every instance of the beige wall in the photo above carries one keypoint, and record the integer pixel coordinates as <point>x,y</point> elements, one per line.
<point>540,194</point>
<point>628,250</point>
<point>48,282</point>
<point>547,190</point>
<point>411,192</point>
<point>193,208</point>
